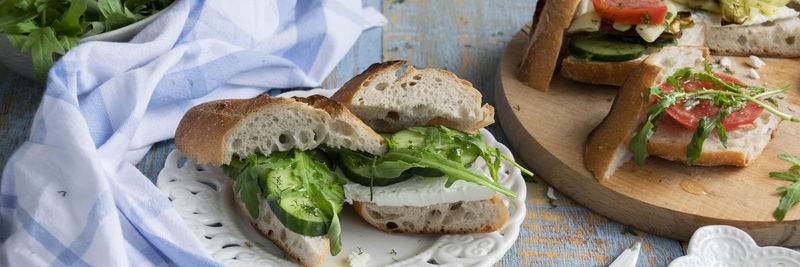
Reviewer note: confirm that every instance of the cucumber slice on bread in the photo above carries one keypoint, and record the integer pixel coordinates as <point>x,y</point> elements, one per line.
<point>605,48</point>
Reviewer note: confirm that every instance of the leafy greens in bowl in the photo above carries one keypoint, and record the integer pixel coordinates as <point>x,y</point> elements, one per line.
<point>46,27</point>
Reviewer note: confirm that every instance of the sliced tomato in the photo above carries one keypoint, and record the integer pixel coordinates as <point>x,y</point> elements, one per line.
<point>689,117</point>
<point>632,11</point>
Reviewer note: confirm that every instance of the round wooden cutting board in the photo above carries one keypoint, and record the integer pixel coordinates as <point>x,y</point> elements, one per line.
<point>548,131</point>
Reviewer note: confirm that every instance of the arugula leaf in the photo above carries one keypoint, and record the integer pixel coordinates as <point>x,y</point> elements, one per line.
<point>731,98</point>
<point>788,200</point>
<point>454,170</point>
<point>786,157</point>
<point>38,25</point>
<point>792,195</point>
<point>42,43</point>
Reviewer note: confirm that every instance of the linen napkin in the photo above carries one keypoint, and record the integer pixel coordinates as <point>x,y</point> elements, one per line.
<point>71,194</point>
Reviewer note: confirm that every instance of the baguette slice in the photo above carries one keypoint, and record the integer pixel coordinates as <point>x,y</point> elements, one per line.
<point>595,72</point>
<point>607,145</point>
<point>540,55</point>
<point>463,217</point>
<point>216,131</point>
<point>775,39</point>
<point>389,103</point>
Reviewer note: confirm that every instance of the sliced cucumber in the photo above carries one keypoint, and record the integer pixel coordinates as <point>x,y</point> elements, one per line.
<point>362,169</point>
<point>295,211</point>
<point>604,48</point>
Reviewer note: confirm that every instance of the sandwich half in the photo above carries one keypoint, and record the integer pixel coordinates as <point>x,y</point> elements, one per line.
<point>674,107</point>
<point>427,110</point>
<point>601,41</point>
<point>284,184</point>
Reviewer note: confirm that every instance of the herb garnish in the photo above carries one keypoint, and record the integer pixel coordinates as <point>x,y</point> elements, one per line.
<point>44,28</point>
<point>731,97</point>
<point>646,18</point>
<point>429,156</point>
<point>792,195</point>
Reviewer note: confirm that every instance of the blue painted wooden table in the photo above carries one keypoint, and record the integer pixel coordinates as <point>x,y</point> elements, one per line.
<point>466,37</point>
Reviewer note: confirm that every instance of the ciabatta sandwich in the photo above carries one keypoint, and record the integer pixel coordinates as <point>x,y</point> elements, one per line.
<point>268,147</point>
<point>674,107</point>
<point>601,41</point>
<point>428,198</point>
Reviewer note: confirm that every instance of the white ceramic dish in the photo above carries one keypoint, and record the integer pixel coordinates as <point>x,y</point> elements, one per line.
<point>203,197</point>
<point>722,245</point>
<point>22,64</point>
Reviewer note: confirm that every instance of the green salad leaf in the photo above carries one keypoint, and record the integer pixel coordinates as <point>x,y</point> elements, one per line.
<point>731,97</point>
<point>792,195</point>
<point>49,28</point>
<point>441,148</point>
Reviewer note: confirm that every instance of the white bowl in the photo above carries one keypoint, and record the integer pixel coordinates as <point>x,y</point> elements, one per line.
<point>22,63</point>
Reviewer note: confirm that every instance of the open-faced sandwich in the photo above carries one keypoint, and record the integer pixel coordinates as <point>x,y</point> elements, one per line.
<point>673,106</point>
<point>601,41</point>
<point>286,158</point>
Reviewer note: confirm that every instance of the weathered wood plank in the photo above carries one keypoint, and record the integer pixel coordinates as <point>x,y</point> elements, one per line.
<point>20,98</point>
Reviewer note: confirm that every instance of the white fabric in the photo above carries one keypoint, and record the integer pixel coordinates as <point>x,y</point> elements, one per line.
<point>71,195</point>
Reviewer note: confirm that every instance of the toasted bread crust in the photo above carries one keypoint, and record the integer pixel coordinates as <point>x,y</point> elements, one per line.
<point>367,210</point>
<point>203,130</point>
<point>363,84</point>
<point>594,72</point>
<point>272,236</point>
<point>621,121</point>
<point>540,54</point>
<point>351,87</point>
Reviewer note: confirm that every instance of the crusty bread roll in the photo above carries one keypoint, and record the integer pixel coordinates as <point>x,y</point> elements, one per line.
<point>775,39</point>
<point>596,72</point>
<point>218,130</point>
<point>463,217</point>
<point>389,103</point>
<point>540,55</point>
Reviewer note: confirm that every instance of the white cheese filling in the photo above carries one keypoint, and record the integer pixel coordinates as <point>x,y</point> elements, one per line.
<point>420,191</point>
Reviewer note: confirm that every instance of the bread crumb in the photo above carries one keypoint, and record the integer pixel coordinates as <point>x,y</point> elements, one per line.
<point>725,62</point>
<point>753,74</point>
<point>358,258</point>
<point>755,62</point>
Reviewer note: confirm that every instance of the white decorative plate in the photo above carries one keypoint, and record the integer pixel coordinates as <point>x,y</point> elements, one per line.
<point>203,197</point>
<point>722,245</point>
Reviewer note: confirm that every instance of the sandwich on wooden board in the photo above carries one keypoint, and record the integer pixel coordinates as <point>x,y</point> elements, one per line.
<point>601,41</point>
<point>673,106</point>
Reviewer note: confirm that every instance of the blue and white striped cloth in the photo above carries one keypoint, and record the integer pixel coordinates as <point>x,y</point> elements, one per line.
<point>71,195</point>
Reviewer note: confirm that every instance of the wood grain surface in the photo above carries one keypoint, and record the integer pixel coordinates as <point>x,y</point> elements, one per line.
<point>661,197</point>
<point>467,37</point>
